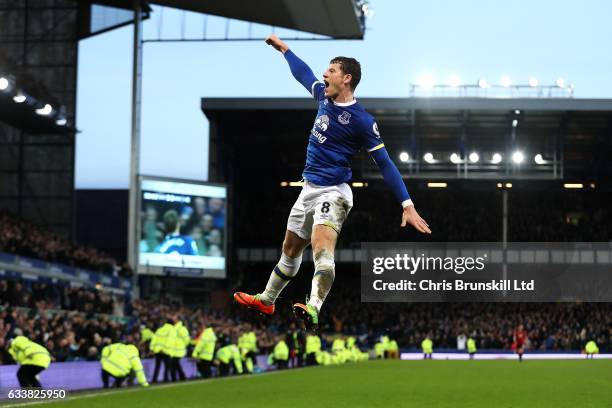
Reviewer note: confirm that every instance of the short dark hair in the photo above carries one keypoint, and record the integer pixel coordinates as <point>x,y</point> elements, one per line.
<point>171,220</point>
<point>349,66</point>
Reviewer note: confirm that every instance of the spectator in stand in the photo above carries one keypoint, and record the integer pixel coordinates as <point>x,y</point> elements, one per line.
<point>84,327</point>
<point>20,237</point>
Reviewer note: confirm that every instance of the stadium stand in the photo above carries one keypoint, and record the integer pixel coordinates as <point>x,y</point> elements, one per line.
<point>560,216</point>
<point>74,324</point>
<point>20,237</point>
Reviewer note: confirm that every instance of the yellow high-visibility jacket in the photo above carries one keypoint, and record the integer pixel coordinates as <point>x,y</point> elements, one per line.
<point>181,340</point>
<point>281,351</point>
<point>205,347</point>
<point>161,338</point>
<point>120,359</point>
<point>228,353</point>
<point>350,342</point>
<point>591,347</point>
<point>338,346</point>
<point>146,334</point>
<point>243,343</point>
<point>379,349</point>
<point>313,344</point>
<point>27,352</point>
<point>178,341</point>
<point>252,341</point>
<point>427,346</point>
<point>471,345</point>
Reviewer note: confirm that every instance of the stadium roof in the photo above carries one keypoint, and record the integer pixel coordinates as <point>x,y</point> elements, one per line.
<point>335,18</point>
<point>574,136</point>
<point>399,105</point>
<point>442,118</point>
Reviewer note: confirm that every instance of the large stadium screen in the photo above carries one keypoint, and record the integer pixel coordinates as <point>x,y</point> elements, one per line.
<point>182,228</point>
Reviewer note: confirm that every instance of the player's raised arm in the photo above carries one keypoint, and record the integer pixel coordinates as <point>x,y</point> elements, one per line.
<point>299,69</point>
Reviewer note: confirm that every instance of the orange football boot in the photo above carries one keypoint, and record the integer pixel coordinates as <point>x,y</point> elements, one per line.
<point>253,302</point>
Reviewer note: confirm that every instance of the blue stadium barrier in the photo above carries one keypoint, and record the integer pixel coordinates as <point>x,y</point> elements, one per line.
<point>19,267</point>
<point>84,375</point>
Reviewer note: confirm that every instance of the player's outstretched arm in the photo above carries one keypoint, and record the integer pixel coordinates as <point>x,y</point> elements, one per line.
<point>300,70</point>
<point>394,180</point>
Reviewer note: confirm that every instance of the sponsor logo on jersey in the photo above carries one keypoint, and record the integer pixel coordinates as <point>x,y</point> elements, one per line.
<point>322,122</point>
<point>318,135</point>
<point>344,118</point>
<point>375,130</point>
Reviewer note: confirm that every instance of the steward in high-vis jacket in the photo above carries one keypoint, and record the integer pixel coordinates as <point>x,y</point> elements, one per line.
<point>427,346</point>
<point>32,358</point>
<point>146,334</point>
<point>176,348</point>
<point>280,355</point>
<point>392,349</point>
<point>354,352</point>
<point>313,347</point>
<point>385,342</point>
<point>380,349</point>
<point>227,355</point>
<point>119,361</point>
<point>591,349</point>
<point>339,351</point>
<point>204,352</point>
<point>158,346</point>
<point>471,347</point>
<point>247,344</point>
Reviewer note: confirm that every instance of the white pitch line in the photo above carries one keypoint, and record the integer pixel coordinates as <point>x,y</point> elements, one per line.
<point>156,387</point>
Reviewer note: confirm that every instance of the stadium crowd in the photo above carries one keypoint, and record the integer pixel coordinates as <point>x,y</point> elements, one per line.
<point>42,296</point>
<point>76,323</point>
<point>20,237</point>
<point>557,217</point>
<point>550,327</point>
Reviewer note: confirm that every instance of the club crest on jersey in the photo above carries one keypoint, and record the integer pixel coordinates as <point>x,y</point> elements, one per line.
<point>344,118</point>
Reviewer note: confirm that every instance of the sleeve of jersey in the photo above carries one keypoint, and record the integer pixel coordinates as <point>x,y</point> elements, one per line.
<point>304,74</point>
<point>391,176</point>
<point>375,146</point>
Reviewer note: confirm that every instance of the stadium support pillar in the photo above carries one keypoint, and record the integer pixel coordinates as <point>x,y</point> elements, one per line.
<point>133,224</point>
<point>463,143</point>
<point>505,217</point>
<point>505,233</point>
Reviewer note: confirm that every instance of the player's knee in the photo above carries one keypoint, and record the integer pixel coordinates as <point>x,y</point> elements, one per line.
<point>290,250</point>
<point>289,265</point>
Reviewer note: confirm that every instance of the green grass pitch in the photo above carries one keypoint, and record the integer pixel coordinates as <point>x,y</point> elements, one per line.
<point>388,384</point>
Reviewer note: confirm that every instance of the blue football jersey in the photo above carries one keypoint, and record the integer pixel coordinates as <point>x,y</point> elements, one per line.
<point>178,244</point>
<point>340,130</point>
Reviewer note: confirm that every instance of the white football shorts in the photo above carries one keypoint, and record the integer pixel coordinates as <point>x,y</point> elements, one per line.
<point>320,205</point>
